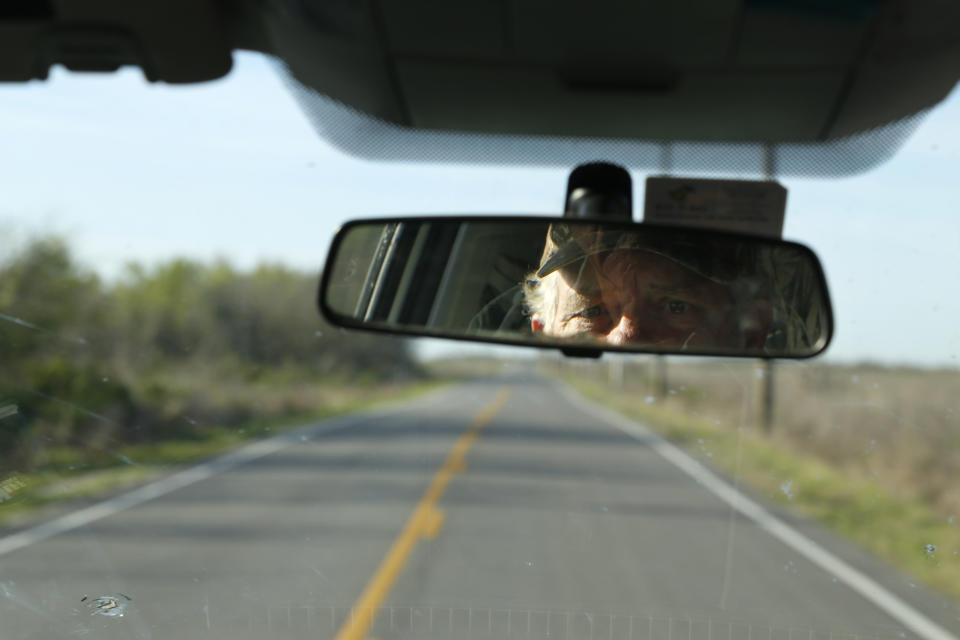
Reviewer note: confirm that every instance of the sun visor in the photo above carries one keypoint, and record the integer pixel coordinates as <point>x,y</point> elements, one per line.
<point>721,87</point>
<point>371,138</point>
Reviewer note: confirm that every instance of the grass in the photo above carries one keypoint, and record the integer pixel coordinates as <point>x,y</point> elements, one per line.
<point>466,367</point>
<point>894,524</point>
<point>70,474</point>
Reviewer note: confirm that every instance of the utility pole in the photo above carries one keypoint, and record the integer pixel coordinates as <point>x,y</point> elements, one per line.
<point>766,372</point>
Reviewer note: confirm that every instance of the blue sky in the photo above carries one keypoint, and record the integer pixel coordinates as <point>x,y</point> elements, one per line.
<point>129,170</point>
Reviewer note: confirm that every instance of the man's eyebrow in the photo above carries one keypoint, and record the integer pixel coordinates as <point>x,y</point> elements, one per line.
<point>687,283</point>
<point>582,304</point>
<point>568,318</point>
<point>678,288</point>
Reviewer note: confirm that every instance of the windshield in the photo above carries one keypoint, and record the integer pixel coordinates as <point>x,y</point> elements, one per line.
<point>187,450</point>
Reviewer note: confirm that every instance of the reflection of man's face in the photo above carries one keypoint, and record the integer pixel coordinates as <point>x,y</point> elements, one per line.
<point>628,296</point>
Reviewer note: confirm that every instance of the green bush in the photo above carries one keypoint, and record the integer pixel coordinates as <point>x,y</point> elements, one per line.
<point>163,351</point>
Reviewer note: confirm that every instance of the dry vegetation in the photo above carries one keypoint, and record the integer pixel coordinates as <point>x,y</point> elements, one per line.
<point>872,452</point>
<point>900,426</point>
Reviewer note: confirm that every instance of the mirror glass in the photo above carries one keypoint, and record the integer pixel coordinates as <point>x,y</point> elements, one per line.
<point>592,285</point>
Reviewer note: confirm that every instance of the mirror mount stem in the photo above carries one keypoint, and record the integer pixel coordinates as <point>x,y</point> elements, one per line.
<point>599,190</point>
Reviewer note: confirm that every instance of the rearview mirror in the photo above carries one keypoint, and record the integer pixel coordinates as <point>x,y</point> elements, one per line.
<point>582,286</point>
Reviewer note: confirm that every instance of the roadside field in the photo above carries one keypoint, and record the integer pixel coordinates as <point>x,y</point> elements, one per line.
<point>872,452</point>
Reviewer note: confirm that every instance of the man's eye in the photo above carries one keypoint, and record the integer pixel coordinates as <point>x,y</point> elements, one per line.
<point>592,312</point>
<point>677,307</point>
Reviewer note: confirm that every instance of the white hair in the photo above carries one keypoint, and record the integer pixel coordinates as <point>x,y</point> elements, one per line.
<point>541,296</point>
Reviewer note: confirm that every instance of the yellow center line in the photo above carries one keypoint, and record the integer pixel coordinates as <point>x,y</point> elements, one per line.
<point>425,522</point>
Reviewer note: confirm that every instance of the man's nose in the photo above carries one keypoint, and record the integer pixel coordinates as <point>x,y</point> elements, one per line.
<point>630,326</point>
<point>634,324</point>
<point>624,332</point>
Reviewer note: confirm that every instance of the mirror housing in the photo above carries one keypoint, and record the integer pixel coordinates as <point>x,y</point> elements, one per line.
<point>582,286</point>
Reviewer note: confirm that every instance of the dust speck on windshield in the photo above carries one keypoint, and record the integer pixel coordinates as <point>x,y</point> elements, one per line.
<point>787,488</point>
<point>11,486</point>
<point>111,606</point>
<point>8,410</point>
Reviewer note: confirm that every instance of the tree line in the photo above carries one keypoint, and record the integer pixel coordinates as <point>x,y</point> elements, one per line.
<point>82,359</point>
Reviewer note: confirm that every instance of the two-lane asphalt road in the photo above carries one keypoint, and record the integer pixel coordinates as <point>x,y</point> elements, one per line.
<point>502,508</point>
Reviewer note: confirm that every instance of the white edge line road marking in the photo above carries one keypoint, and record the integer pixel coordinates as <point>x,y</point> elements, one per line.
<point>195,474</point>
<point>856,580</point>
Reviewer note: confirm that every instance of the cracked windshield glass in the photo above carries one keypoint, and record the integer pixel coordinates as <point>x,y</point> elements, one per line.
<point>189,450</point>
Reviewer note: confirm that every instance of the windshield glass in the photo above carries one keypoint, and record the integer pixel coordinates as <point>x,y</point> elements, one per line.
<point>187,450</point>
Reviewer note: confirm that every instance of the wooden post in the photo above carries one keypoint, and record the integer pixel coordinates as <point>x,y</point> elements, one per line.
<point>651,375</point>
<point>615,371</point>
<point>768,400</point>
<point>662,376</point>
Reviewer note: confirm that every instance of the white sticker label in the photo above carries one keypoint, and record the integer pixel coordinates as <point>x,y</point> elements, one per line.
<point>743,206</point>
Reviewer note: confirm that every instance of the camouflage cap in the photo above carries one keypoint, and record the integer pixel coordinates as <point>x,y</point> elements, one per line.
<point>572,243</point>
